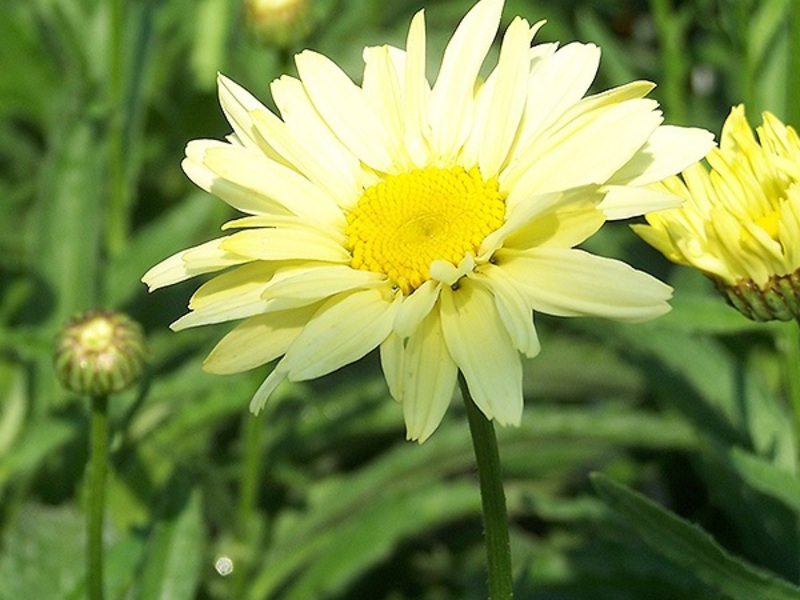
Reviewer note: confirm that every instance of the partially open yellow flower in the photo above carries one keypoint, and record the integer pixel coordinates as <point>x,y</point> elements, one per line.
<point>740,223</point>
<point>428,220</point>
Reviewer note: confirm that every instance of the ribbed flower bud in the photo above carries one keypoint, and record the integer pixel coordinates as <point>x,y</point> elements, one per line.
<point>100,352</point>
<point>778,299</point>
<point>279,22</point>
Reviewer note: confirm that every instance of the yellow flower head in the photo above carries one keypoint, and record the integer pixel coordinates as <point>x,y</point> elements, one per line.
<point>430,221</point>
<point>740,223</point>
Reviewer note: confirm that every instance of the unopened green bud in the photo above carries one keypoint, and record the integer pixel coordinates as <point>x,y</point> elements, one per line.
<point>99,353</point>
<point>778,299</point>
<point>279,23</point>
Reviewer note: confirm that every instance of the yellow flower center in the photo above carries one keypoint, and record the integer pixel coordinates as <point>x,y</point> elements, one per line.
<point>404,223</point>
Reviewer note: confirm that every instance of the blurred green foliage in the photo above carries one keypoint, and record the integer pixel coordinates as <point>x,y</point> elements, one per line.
<point>321,497</point>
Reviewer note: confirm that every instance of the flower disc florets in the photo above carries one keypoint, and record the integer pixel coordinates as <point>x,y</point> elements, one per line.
<point>407,221</point>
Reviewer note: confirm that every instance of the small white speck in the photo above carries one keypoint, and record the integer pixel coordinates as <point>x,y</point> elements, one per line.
<point>224,566</point>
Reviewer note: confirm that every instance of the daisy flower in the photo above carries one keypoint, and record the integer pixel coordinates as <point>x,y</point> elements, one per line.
<point>740,223</point>
<point>428,220</point>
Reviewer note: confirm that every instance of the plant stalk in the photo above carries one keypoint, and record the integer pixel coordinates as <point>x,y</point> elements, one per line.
<point>493,499</point>
<point>98,469</point>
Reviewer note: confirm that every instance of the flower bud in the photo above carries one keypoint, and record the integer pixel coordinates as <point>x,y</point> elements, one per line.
<point>99,353</point>
<point>778,299</point>
<point>279,23</point>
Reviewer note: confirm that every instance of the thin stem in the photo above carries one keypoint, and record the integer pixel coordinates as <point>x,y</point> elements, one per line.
<point>493,499</point>
<point>743,15</point>
<point>669,26</point>
<point>117,224</point>
<point>98,467</point>
<point>248,494</point>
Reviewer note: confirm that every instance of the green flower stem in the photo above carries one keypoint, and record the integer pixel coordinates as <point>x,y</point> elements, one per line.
<point>493,499</point>
<point>248,495</point>
<point>98,467</point>
<point>670,28</point>
<point>117,223</point>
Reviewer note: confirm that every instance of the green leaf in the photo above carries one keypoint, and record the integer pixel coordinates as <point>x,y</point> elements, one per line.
<point>34,445</point>
<point>69,221</point>
<point>734,404</point>
<point>688,546</point>
<point>171,232</point>
<point>176,548</point>
<point>766,477</point>
<point>42,555</point>
<point>364,541</point>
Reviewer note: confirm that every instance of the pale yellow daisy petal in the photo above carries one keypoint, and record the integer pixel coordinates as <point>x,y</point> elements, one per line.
<point>669,150</point>
<point>241,305</point>
<point>789,224</point>
<point>451,96</point>
<point>383,92</point>
<point>563,227</point>
<point>298,286</point>
<point>302,155</point>
<point>513,308</point>
<point>343,106</point>
<point>624,202</point>
<point>239,280</point>
<point>263,393</point>
<point>556,82</point>
<point>305,124</point>
<point>567,114</point>
<point>660,240</point>
<point>481,347</point>
<point>392,358</point>
<point>205,258</point>
<point>345,328</point>
<point>572,283</point>
<point>429,378</point>
<point>286,244</point>
<point>274,184</point>
<point>235,294</point>
<point>416,92</point>
<point>587,151</point>
<point>257,341</point>
<point>238,104</point>
<point>724,232</point>
<point>521,211</point>
<point>448,273</point>
<point>416,307</point>
<point>239,197</point>
<point>504,111</point>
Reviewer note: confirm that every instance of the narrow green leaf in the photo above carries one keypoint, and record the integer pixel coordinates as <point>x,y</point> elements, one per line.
<point>42,554</point>
<point>767,478</point>
<point>175,551</point>
<point>735,404</point>
<point>169,233</point>
<point>69,221</point>
<point>35,444</point>
<point>363,542</point>
<point>687,545</point>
